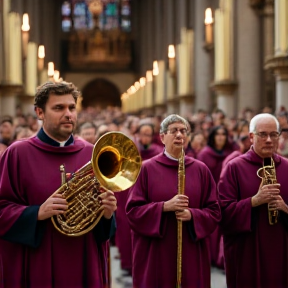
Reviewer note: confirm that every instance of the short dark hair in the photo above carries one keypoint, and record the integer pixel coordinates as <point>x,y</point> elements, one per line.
<point>56,88</point>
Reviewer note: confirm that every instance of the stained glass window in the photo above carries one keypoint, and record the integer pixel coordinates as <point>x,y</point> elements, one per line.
<point>96,14</point>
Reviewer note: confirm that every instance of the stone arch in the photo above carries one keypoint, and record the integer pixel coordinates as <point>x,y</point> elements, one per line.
<point>100,92</point>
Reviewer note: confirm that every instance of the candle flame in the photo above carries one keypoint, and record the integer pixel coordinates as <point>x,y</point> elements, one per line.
<point>25,25</point>
<point>208,16</point>
<point>171,51</point>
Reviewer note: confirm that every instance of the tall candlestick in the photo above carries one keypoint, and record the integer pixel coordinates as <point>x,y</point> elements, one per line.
<point>15,54</point>
<point>281,27</point>
<point>31,68</point>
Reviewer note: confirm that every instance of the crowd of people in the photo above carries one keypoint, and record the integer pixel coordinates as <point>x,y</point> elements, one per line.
<point>221,179</point>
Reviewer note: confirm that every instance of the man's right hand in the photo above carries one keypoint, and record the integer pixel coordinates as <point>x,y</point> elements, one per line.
<point>54,205</point>
<point>266,194</point>
<point>177,203</point>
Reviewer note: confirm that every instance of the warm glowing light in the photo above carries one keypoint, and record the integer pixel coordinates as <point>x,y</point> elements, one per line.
<point>155,68</point>
<point>149,76</point>
<point>41,51</point>
<point>124,96</point>
<point>171,51</point>
<point>142,81</point>
<point>137,85</point>
<point>50,69</point>
<point>25,25</point>
<point>56,75</point>
<point>208,16</point>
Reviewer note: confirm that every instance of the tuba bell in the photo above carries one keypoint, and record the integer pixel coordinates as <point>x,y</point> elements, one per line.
<point>268,175</point>
<point>115,165</point>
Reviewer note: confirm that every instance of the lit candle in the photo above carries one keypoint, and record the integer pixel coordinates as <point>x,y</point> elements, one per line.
<point>25,33</point>
<point>208,26</point>
<point>155,68</point>
<point>149,89</point>
<point>171,58</point>
<point>56,75</point>
<point>50,70</point>
<point>41,56</point>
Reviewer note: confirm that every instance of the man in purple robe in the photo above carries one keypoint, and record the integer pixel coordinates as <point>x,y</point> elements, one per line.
<point>154,206</point>
<point>256,252</point>
<point>32,252</point>
<point>147,150</point>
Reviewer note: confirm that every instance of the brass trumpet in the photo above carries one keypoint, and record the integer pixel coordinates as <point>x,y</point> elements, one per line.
<point>268,175</point>
<point>115,165</point>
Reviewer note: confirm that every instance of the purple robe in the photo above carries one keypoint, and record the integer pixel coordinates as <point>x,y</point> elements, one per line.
<point>123,232</point>
<point>256,253</point>
<point>214,162</point>
<point>33,253</point>
<point>230,157</point>
<point>154,232</point>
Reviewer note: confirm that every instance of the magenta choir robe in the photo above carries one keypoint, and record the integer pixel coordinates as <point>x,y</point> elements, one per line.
<point>154,232</point>
<point>214,162</point>
<point>33,253</point>
<point>256,253</point>
<point>123,232</point>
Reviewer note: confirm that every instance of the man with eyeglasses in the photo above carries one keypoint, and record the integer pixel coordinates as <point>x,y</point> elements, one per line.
<point>256,250</point>
<point>154,206</point>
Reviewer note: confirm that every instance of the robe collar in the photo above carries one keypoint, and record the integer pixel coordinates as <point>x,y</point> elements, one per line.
<point>78,145</point>
<point>163,159</point>
<point>252,156</point>
<point>48,140</point>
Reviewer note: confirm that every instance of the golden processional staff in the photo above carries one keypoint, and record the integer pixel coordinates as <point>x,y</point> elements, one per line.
<point>181,190</point>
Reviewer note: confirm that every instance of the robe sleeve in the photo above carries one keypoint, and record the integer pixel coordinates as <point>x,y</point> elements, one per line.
<point>105,229</point>
<point>205,219</point>
<point>27,229</point>
<point>18,220</point>
<point>138,207</point>
<point>238,216</point>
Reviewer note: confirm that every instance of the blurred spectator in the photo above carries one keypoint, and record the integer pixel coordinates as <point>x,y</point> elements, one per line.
<point>6,130</point>
<point>102,129</point>
<point>144,138</point>
<point>87,131</point>
<point>3,147</point>
<point>213,154</point>
<point>196,144</point>
<point>23,132</point>
<point>282,117</point>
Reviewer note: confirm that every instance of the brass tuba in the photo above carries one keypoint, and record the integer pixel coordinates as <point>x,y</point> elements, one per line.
<point>268,175</point>
<point>115,165</point>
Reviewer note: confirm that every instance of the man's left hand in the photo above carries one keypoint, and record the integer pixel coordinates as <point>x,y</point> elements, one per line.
<point>184,215</point>
<point>109,203</point>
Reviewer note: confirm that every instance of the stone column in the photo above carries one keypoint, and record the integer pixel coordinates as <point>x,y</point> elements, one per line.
<point>279,63</point>
<point>248,57</point>
<point>225,96</point>
<point>202,59</point>
<point>268,87</point>
<point>280,67</point>
<point>224,84</point>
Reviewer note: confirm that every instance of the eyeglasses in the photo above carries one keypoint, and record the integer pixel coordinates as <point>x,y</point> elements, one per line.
<point>174,131</point>
<point>272,135</point>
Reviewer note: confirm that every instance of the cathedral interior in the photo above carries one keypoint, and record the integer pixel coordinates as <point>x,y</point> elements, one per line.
<point>147,56</point>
